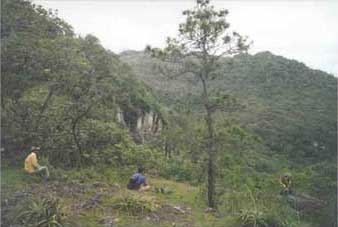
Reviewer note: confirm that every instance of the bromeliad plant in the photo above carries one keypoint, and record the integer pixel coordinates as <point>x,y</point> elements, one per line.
<point>45,212</point>
<point>135,204</point>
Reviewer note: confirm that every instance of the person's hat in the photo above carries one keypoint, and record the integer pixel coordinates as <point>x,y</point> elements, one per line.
<point>33,148</point>
<point>140,169</point>
<point>288,175</point>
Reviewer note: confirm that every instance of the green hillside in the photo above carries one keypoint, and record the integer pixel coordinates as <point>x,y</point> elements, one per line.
<point>292,108</point>
<point>98,116</point>
<point>290,105</point>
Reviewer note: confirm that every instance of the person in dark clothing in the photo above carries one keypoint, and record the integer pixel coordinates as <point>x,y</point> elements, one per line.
<point>138,181</point>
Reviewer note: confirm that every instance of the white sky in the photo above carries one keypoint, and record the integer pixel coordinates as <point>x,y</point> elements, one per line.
<point>305,30</point>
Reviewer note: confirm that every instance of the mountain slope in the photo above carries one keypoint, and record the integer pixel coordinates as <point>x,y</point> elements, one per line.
<point>290,105</point>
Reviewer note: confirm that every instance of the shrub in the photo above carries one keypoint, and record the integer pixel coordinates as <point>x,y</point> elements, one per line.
<point>181,170</point>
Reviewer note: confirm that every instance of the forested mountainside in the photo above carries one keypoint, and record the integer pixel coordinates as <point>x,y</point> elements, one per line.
<point>289,106</point>
<point>293,107</point>
<point>98,116</point>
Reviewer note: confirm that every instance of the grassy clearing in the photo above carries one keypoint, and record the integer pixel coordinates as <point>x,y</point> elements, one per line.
<point>92,198</point>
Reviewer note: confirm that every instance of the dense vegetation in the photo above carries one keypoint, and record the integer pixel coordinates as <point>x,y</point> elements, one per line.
<point>63,91</point>
<point>68,95</point>
<point>282,100</point>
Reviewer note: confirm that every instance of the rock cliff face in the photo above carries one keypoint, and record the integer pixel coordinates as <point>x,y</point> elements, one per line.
<point>149,123</point>
<point>119,117</point>
<point>142,125</point>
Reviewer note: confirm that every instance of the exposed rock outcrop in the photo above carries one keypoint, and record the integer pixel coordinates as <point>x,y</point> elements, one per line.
<point>142,125</point>
<point>149,123</point>
<point>119,117</point>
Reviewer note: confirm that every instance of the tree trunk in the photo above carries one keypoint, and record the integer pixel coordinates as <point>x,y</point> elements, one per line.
<point>210,146</point>
<point>76,138</point>
<point>43,108</point>
<point>167,149</point>
<point>77,143</point>
<point>211,161</point>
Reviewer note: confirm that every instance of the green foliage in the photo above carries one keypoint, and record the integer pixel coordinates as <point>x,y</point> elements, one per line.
<point>135,204</point>
<point>290,106</point>
<point>262,209</point>
<point>64,92</point>
<point>252,218</point>
<point>268,218</point>
<point>42,212</point>
<point>163,190</point>
<point>289,124</point>
<point>182,170</point>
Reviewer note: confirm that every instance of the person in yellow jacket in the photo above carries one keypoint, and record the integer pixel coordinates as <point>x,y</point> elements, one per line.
<point>32,165</point>
<point>285,181</point>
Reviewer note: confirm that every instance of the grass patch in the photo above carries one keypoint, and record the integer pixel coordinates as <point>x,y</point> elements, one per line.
<point>13,177</point>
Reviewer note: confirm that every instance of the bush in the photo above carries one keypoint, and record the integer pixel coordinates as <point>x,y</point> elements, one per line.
<point>181,170</point>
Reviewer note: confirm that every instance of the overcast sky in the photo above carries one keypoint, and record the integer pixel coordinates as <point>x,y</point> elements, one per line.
<point>305,30</point>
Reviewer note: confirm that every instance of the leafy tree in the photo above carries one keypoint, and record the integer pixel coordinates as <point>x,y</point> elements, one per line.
<point>203,40</point>
<point>62,92</point>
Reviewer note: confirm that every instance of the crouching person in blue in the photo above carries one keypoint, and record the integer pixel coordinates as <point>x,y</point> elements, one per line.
<point>138,181</point>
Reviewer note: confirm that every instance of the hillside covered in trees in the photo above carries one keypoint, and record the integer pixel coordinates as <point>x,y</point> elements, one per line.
<point>290,105</point>
<point>98,115</point>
